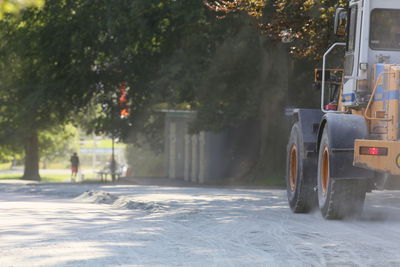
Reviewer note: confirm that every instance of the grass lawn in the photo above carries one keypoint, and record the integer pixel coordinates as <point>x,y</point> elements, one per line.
<point>10,176</point>
<point>53,178</point>
<point>5,166</point>
<point>107,143</point>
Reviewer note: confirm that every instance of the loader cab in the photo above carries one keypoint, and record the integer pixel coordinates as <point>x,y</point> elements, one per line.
<point>372,29</point>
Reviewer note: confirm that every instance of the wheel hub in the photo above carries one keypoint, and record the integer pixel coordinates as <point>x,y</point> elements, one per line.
<point>293,168</point>
<point>325,170</point>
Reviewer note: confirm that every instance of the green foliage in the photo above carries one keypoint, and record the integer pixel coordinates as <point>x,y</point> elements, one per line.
<point>7,153</point>
<point>5,166</point>
<point>41,72</point>
<point>58,142</point>
<point>56,59</point>
<point>14,6</point>
<point>308,23</point>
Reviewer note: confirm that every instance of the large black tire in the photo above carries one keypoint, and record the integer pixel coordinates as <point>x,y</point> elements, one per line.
<point>337,198</point>
<point>299,185</point>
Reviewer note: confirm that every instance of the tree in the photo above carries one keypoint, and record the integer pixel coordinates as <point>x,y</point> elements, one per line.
<point>41,76</point>
<point>56,59</point>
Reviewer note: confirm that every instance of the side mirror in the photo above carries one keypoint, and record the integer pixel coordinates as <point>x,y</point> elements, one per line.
<point>340,21</point>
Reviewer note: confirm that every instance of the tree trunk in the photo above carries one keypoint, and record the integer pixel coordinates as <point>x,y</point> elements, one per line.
<point>31,170</point>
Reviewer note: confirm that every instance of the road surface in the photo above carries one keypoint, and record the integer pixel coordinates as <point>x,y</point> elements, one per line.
<point>132,225</point>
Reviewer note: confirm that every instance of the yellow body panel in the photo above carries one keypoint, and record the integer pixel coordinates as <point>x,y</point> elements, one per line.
<point>383,121</point>
<point>389,163</point>
<point>386,109</point>
<point>393,104</point>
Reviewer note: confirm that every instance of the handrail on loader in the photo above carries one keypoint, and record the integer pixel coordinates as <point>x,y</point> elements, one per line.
<point>323,78</point>
<point>372,99</point>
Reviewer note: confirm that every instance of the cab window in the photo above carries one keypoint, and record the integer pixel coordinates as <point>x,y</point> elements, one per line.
<point>385,29</point>
<point>351,42</point>
<point>352,29</point>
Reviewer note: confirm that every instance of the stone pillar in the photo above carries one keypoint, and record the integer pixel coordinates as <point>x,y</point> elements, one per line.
<point>202,157</point>
<point>194,169</point>
<point>188,157</point>
<point>172,151</point>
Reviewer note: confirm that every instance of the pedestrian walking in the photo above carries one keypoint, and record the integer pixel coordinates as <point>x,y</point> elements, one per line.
<point>74,166</point>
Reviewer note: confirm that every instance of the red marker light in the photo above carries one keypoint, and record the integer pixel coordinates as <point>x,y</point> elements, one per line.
<point>331,107</point>
<point>373,151</point>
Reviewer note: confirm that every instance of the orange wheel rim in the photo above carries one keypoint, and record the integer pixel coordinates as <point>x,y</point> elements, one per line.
<point>325,170</point>
<point>293,168</point>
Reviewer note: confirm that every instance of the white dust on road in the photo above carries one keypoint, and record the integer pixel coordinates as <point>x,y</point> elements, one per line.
<point>93,225</point>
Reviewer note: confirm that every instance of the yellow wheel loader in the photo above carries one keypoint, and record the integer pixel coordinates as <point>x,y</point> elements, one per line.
<point>351,145</point>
